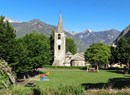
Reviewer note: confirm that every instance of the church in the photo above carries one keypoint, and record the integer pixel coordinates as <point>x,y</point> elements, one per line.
<point>61,58</point>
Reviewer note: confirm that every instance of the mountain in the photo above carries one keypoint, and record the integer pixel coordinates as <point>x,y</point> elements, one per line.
<point>88,37</point>
<point>124,33</point>
<point>82,39</point>
<point>106,36</point>
<point>11,21</point>
<point>33,25</point>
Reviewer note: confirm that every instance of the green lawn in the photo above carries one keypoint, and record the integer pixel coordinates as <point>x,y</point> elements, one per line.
<point>68,82</point>
<point>61,77</point>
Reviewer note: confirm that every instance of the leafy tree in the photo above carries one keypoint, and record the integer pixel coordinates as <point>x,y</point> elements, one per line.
<point>32,51</point>
<point>70,46</point>
<point>122,52</point>
<point>20,57</point>
<point>38,49</point>
<point>98,53</point>
<point>7,39</point>
<point>52,46</point>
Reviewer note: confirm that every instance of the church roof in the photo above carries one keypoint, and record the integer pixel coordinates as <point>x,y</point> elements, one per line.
<point>78,58</point>
<point>68,53</point>
<point>60,26</point>
<point>77,54</point>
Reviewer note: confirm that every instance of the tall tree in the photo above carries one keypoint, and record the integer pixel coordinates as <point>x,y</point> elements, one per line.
<point>38,48</point>
<point>32,51</point>
<point>52,46</point>
<point>122,51</point>
<point>7,39</point>
<point>70,46</point>
<point>20,57</point>
<point>98,53</point>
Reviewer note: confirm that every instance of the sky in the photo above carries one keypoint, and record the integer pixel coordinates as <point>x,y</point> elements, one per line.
<point>77,15</point>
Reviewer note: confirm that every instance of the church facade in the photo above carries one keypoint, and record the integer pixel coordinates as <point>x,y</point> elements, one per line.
<point>61,58</point>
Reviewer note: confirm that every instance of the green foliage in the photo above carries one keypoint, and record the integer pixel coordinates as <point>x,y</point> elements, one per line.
<point>70,46</point>
<point>63,89</point>
<point>98,53</point>
<point>20,57</point>
<point>32,51</point>
<point>7,38</point>
<point>122,52</point>
<point>52,46</point>
<point>21,90</point>
<point>65,67</point>
<point>3,80</point>
<point>38,48</point>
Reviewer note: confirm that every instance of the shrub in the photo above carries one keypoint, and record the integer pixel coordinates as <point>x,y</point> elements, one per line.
<point>65,67</point>
<point>64,89</point>
<point>21,90</point>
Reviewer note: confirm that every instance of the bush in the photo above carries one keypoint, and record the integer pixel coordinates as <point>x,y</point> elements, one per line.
<point>65,67</point>
<point>21,90</point>
<point>69,89</point>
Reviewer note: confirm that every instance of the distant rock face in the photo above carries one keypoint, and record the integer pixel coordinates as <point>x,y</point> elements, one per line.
<point>124,33</point>
<point>106,37</point>
<point>82,39</point>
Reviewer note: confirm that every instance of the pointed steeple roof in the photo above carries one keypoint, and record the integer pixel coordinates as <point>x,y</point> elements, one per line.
<point>60,27</point>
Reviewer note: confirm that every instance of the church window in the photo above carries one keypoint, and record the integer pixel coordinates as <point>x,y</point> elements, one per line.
<point>59,36</point>
<point>59,47</point>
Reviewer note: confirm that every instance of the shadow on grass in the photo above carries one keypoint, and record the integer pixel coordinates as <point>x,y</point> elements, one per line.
<point>36,91</point>
<point>117,83</point>
<point>116,71</point>
<point>94,85</point>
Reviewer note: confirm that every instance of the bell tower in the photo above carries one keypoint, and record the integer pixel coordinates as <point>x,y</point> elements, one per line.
<point>59,44</point>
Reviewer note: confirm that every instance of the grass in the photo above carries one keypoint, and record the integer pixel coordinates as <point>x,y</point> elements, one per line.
<point>68,82</point>
<point>58,77</point>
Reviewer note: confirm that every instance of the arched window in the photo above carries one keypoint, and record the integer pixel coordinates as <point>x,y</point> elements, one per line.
<point>59,36</point>
<point>59,47</point>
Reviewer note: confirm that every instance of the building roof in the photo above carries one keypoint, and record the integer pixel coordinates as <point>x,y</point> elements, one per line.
<point>68,53</point>
<point>78,58</point>
<point>60,26</point>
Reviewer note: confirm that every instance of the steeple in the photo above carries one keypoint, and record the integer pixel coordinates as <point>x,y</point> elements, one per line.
<point>60,27</point>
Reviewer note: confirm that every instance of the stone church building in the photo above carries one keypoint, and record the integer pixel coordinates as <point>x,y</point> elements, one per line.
<point>61,58</point>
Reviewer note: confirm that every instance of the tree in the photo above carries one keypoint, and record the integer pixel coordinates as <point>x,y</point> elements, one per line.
<point>98,53</point>
<point>19,60</point>
<point>70,46</point>
<point>38,48</point>
<point>32,52</point>
<point>122,51</point>
<point>7,39</point>
<point>51,38</point>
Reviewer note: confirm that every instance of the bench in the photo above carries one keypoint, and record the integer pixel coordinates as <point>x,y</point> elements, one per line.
<point>92,70</point>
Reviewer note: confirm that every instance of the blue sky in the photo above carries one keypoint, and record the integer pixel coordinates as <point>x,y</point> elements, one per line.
<point>78,15</point>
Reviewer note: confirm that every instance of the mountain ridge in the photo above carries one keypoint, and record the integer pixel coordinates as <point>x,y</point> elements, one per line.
<point>125,33</point>
<point>82,39</point>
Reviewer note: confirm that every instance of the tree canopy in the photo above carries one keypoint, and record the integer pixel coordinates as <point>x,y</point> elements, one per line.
<point>7,39</point>
<point>33,51</point>
<point>122,51</point>
<point>70,46</point>
<point>98,53</point>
